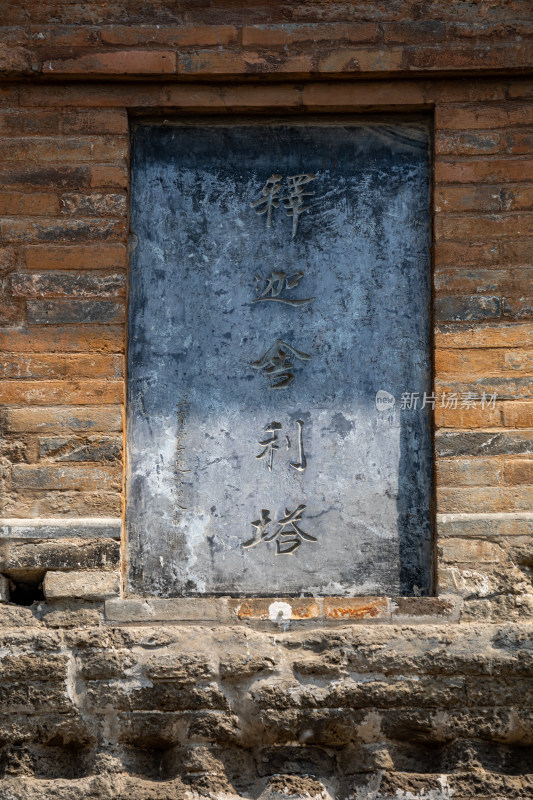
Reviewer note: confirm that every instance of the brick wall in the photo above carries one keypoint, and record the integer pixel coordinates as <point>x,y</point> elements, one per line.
<point>104,695</point>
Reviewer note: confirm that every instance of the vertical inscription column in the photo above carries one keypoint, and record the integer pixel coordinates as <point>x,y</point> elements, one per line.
<point>281,280</point>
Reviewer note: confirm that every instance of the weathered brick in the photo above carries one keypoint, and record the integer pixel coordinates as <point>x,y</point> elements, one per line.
<point>484,198</point>
<point>476,417</point>
<point>98,256</point>
<point>63,418</point>
<point>63,392</point>
<point>105,205</point>
<point>286,35</point>
<point>486,526</point>
<point>482,281</point>
<point>470,551</point>
<point>59,149</point>
<point>61,528</point>
<point>4,590</point>
<point>518,307</point>
<point>496,387</point>
<point>484,362</point>
<point>15,122</point>
<point>118,62</point>
<point>174,35</point>
<point>84,585</point>
<point>67,339</point>
<point>59,312</point>
<point>85,122</point>
<point>518,471</point>
<point>70,554</point>
<point>467,143</point>
<point>61,366</point>
<point>517,334</point>
<point>356,608</point>
<point>13,203</point>
<point>68,284</point>
<point>518,415</point>
<point>487,116</point>
<point>90,448</point>
<point>479,226</point>
<point>518,142</point>
<point>29,504</point>
<point>83,478</point>
<point>50,229</point>
<point>20,176</point>
<point>483,443</point>
<point>483,170</point>
<point>469,307</point>
<point>505,253</point>
<point>476,499</point>
<point>361,60</point>
<point>469,471</point>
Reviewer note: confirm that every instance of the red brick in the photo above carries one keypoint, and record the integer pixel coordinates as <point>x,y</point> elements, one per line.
<point>61,366</point>
<point>86,477</point>
<point>82,419</point>
<point>485,117</point>
<point>96,204</point>
<point>22,176</point>
<point>117,62</point>
<point>440,59</point>
<point>29,122</point>
<point>31,504</point>
<point>85,122</point>
<point>469,471</point>
<point>68,284</point>
<point>466,418</point>
<point>482,281</point>
<point>518,472</point>
<point>476,499</point>
<point>75,312</point>
<point>362,60</point>
<point>484,198</point>
<point>518,334</point>
<point>467,143</point>
<point>343,97</point>
<point>107,176</point>
<point>17,203</point>
<point>67,339</point>
<point>518,142</point>
<point>481,226</point>
<point>169,35</point>
<point>484,254</point>
<point>414,31</point>
<point>517,414</point>
<point>46,393</point>
<point>216,62</point>
<point>59,149</point>
<point>49,229</point>
<point>290,34</point>
<point>483,170</point>
<point>98,256</point>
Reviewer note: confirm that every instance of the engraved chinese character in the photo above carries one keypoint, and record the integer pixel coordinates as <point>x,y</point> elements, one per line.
<point>294,203</point>
<point>271,444</point>
<point>277,365</point>
<point>288,536</point>
<point>275,284</point>
<point>269,198</point>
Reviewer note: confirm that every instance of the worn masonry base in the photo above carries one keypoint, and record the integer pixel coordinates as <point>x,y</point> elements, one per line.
<point>224,712</point>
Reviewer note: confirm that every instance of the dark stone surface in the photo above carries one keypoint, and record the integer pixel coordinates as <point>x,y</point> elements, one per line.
<point>200,401</point>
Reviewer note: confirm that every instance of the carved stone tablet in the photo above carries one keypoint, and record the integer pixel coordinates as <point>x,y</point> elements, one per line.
<point>280,281</point>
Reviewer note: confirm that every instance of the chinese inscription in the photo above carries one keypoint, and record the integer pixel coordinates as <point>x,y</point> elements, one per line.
<point>293,202</point>
<point>288,535</point>
<point>276,364</point>
<point>270,288</point>
<point>271,444</point>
